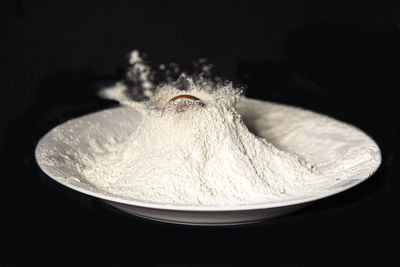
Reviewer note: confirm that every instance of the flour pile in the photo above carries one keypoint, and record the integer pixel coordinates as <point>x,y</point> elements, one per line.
<point>199,155</point>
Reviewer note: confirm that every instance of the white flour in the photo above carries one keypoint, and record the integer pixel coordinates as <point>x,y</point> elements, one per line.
<point>197,150</point>
<point>204,155</point>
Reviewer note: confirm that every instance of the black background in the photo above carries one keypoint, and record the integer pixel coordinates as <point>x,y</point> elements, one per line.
<point>337,58</point>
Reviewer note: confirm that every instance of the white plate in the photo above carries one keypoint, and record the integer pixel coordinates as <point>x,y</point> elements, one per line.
<point>333,152</point>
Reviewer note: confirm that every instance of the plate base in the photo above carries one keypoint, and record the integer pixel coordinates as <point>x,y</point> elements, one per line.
<point>207,218</point>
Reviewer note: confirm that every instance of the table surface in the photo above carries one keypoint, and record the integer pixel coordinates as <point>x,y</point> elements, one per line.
<point>340,60</point>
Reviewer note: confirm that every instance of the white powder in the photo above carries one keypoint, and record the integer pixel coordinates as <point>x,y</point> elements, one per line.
<point>198,151</point>
<point>200,155</point>
<point>204,155</point>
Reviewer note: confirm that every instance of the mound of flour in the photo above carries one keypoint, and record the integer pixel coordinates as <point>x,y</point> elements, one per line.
<point>204,155</point>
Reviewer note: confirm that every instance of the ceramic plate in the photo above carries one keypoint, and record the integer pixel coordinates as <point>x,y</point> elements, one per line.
<point>346,155</point>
